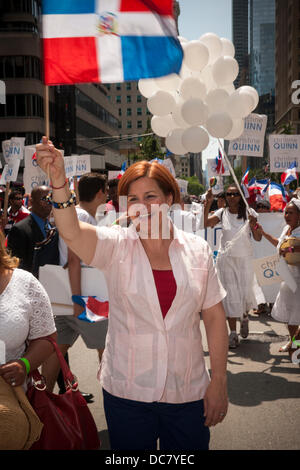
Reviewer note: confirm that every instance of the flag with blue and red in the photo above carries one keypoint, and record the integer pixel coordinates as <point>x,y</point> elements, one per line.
<point>109,41</point>
<point>290,174</point>
<point>95,308</point>
<point>219,164</point>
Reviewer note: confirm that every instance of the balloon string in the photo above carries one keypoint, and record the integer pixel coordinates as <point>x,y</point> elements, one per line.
<point>234,176</point>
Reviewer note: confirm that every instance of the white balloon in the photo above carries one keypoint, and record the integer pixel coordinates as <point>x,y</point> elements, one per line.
<point>216,100</point>
<point>196,55</point>
<point>240,104</point>
<point>225,70</point>
<point>181,39</point>
<point>219,125</point>
<point>174,142</point>
<point>192,87</point>
<point>207,78</point>
<point>147,87</point>
<point>253,92</point>
<point>229,88</point>
<point>214,44</point>
<point>168,82</point>
<point>194,111</point>
<point>227,47</point>
<point>162,125</point>
<point>195,139</point>
<point>161,103</point>
<point>184,72</point>
<point>177,115</point>
<point>237,129</point>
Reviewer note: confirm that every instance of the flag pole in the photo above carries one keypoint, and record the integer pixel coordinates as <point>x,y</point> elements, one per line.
<point>47,124</point>
<point>234,176</point>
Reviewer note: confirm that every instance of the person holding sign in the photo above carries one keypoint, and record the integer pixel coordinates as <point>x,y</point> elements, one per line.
<point>286,307</point>
<point>234,258</point>
<point>153,374</point>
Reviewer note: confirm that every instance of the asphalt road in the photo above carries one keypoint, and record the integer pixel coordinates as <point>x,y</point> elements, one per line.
<point>263,387</point>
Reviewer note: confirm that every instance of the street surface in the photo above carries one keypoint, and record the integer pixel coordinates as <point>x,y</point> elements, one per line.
<point>263,386</point>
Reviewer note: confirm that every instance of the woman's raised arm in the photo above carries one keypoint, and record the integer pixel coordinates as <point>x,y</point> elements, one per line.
<point>80,237</point>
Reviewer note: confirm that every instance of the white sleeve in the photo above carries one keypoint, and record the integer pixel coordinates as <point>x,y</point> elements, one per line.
<point>41,320</point>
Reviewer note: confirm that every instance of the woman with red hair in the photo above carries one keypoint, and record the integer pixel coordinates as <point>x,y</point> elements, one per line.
<point>153,373</point>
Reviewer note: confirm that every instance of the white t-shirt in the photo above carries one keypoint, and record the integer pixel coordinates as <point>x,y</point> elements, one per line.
<point>83,216</point>
<point>25,313</point>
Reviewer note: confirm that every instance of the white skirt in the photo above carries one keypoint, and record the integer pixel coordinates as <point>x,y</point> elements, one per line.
<point>286,308</point>
<point>237,278</point>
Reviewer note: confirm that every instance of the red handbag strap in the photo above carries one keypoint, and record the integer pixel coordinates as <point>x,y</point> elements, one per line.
<point>66,372</point>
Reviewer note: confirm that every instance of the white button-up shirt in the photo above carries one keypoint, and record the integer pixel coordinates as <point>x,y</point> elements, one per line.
<point>147,357</point>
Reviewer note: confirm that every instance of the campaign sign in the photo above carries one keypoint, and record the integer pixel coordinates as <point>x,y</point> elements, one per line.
<point>77,165</point>
<point>10,172</point>
<point>33,175</point>
<point>251,142</point>
<point>13,148</point>
<point>284,150</point>
<point>266,270</point>
<point>183,185</point>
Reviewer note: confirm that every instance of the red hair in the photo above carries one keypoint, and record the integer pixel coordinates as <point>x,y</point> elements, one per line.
<point>153,170</point>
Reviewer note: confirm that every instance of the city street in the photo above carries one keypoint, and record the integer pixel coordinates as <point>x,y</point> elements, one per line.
<point>263,384</point>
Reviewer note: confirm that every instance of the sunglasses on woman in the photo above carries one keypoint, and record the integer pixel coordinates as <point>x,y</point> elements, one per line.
<point>232,194</point>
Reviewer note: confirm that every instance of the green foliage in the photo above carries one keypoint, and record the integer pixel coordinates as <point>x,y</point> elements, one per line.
<point>194,187</point>
<point>150,145</point>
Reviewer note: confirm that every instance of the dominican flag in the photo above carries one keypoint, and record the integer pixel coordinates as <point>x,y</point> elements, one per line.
<point>290,174</point>
<point>122,171</point>
<point>109,41</point>
<point>219,164</point>
<point>277,197</point>
<point>246,176</point>
<point>96,309</point>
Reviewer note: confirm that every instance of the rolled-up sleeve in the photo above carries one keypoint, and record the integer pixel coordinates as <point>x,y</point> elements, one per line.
<point>107,247</point>
<point>215,292</point>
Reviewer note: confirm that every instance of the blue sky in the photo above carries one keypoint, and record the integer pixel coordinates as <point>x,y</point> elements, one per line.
<point>198,17</point>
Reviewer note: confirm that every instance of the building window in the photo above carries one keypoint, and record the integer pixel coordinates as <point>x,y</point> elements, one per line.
<point>139,98</point>
<point>139,124</point>
<point>120,112</point>
<point>128,99</point>
<point>128,112</point>
<point>118,86</point>
<point>129,124</point>
<point>128,86</point>
<point>139,111</point>
<point>23,106</point>
<point>118,99</point>
<point>20,67</point>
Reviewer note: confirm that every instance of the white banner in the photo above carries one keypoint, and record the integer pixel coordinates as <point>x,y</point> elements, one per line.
<point>211,168</point>
<point>251,142</point>
<point>183,185</point>
<point>167,162</point>
<point>13,148</point>
<point>10,171</point>
<point>284,150</point>
<point>265,270</point>
<point>77,165</point>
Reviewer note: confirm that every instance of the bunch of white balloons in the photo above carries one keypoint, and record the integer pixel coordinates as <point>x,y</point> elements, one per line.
<point>202,99</point>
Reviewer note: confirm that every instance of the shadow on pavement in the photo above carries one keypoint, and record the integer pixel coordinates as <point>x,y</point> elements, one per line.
<point>104,439</point>
<point>253,388</point>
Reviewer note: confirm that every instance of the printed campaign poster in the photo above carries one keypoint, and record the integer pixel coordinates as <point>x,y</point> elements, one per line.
<point>10,171</point>
<point>284,150</point>
<point>77,165</point>
<point>13,148</point>
<point>251,142</point>
<point>183,185</point>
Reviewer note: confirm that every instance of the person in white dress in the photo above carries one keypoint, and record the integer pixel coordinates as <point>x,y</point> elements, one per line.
<point>26,318</point>
<point>233,262</point>
<point>286,308</point>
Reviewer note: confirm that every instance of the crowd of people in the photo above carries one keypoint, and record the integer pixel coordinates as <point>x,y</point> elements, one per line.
<point>161,281</point>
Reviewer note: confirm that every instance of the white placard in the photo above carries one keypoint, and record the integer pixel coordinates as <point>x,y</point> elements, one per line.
<point>112,175</point>
<point>266,270</point>
<point>168,164</point>
<point>2,353</point>
<point>284,150</point>
<point>77,165</point>
<point>13,148</point>
<point>183,185</point>
<point>10,171</point>
<point>55,280</point>
<point>251,142</point>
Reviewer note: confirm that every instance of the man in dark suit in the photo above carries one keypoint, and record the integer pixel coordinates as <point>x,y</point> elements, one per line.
<point>25,237</point>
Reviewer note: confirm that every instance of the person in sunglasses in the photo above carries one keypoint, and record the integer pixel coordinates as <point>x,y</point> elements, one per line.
<point>233,262</point>
<point>16,210</point>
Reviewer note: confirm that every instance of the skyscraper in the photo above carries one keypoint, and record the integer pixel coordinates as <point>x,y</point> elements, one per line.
<point>240,38</point>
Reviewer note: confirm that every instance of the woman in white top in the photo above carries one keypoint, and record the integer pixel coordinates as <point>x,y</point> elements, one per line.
<point>153,372</point>
<point>286,308</point>
<point>233,262</point>
<point>25,318</point>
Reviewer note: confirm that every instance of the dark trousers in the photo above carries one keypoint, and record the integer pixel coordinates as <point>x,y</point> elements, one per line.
<point>135,425</point>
